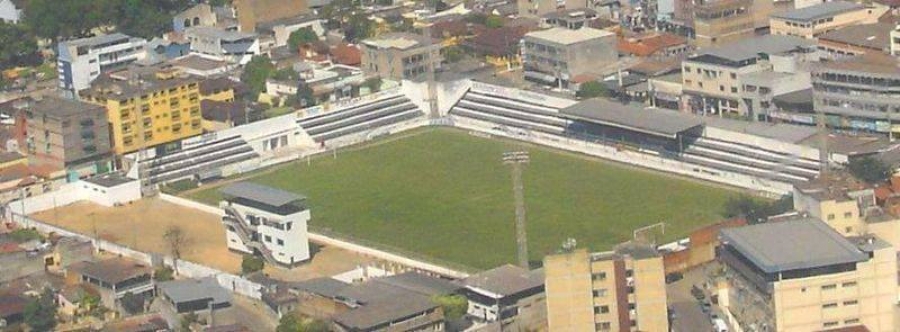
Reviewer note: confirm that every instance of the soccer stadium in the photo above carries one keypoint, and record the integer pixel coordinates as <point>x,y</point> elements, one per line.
<point>389,164</point>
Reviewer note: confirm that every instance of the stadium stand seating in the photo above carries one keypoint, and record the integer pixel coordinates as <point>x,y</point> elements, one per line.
<point>508,112</point>
<point>195,159</point>
<point>359,118</point>
<point>775,165</point>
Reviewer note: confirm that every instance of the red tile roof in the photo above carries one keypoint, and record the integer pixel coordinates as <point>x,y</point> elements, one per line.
<point>649,45</point>
<point>346,54</point>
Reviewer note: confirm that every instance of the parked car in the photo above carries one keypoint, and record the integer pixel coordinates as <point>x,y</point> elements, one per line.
<point>697,293</point>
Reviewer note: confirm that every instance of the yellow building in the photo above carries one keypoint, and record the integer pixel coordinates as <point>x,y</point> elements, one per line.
<point>622,290</point>
<point>801,275</point>
<point>147,106</point>
<point>810,22</point>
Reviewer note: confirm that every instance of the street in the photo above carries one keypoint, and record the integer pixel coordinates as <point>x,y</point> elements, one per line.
<point>688,316</point>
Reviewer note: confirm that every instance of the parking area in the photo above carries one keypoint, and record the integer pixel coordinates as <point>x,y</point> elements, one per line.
<point>692,301</point>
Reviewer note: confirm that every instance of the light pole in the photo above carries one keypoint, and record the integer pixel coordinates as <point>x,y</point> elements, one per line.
<point>517,159</point>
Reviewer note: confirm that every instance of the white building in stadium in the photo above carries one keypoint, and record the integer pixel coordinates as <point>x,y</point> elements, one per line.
<point>268,222</point>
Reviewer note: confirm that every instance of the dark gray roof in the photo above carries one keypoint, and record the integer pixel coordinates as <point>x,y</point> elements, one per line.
<point>650,121</point>
<point>505,280</point>
<point>874,36</point>
<point>751,47</point>
<point>816,12</point>
<point>259,193</point>
<point>326,287</point>
<point>109,180</point>
<point>189,290</point>
<point>381,303</point>
<point>420,283</point>
<point>791,245</point>
<point>789,133</point>
<point>56,107</point>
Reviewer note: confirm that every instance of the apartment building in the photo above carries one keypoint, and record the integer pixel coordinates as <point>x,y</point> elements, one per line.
<point>147,106</point>
<point>720,22</point>
<point>233,46</point>
<point>812,21</point>
<point>64,133</point>
<point>80,61</point>
<point>539,8</point>
<point>802,275</point>
<point>399,56</point>
<point>264,221</point>
<point>621,290</point>
<point>556,55</point>
<point>860,93</point>
<point>252,13</point>
<point>712,79</point>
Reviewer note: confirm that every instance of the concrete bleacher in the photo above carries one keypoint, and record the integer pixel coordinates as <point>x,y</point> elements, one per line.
<point>197,159</point>
<point>512,113</point>
<point>757,161</point>
<point>360,117</point>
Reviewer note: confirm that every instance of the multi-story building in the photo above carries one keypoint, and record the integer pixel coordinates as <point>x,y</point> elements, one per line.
<point>508,295</point>
<point>555,56</point>
<point>719,22</point>
<point>252,13</point>
<point>859,93</point>
<point>895,41</point>
<point>81,61</point>
<point>264,221</point>
<point>712,79</point>
<point>812,21</point>
<point>399,55</point>
<point>621,290</point>
<point>837,199</point>
<point>801,275</point>
<point>233,46</point>
<point>63,133</point>
<point>147,106</point>
<point>856,40</point>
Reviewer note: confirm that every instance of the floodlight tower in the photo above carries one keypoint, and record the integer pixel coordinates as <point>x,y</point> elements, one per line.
<point>517,159</point>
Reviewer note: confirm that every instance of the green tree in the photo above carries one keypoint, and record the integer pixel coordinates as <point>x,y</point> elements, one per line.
<point>452,54</point>
<point>292,323</point>
<point>358,26</point>
<point>454,306</point>
<point>251,263</point>
<point>301,37</point>
<point>286,74</point>
<point>25,234</point>
<point>19,46</point>
<point>756,210</point>
<point>255,74</point>
<point>164,273</point>
<point>493,21</point>
<point>304,97</point>
<point>869,169</point>
<point>373,84</point>
<point>592,89</point>
<point>40,312</point>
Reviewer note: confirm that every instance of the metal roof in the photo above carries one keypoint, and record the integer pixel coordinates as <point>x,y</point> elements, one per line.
<point>506,280</point>
<point>816,12</point>
<point>792,245</point>
<point>189,290</point>
<point>751,48</point>
<point>650,121</point>
<point>259,193</point>
<point>381,304</point>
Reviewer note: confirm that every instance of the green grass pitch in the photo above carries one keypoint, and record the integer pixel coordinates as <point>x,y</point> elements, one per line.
<point>445,194</point>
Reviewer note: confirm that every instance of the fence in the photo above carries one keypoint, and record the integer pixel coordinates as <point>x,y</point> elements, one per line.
<point>187,269</point>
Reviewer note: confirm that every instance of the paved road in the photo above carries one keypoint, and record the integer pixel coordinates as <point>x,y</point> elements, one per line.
<point>688,316</point>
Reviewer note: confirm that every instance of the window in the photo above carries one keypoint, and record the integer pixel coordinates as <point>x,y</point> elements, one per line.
<point>733,90</point>
<point>280,242</point>
<point>851,302</point>
<point>829,305</point>
<point>268,239</point>
<point>829,324</point>
<point>629,273</point>
<point>849,284</point>
<point>603,326</point>
<point>848,214</point>
<point>601,309</point>
<point>288,225</point>
<point>721,88</point>
<point>852,321</point>
<point>831,216</point>
<point>733,76</point>
<point>829,287</point>
<point>598,276</point>
<point>599,293</point>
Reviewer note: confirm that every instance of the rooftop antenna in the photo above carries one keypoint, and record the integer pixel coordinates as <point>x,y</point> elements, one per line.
<point>517,159</point>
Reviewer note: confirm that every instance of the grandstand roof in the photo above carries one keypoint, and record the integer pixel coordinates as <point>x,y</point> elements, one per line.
<point>650,121</point>
<point>259,193</point>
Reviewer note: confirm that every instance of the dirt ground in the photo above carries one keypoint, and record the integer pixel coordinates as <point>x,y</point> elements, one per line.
<point>141,226</point>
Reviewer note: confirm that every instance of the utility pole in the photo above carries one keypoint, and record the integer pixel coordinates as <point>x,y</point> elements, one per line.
<point>517,159</point>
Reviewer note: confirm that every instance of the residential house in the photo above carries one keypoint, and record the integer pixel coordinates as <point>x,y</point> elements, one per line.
<point>200,15</point>
<point>508,296</point>
<point>203,66</point>
<point>659,45</point>
<point>376,306</point>
<point>113,278</point>
<point>80,61</point>
<point>233,46</point>
<point>11,10</point>
<point>276,33</point>
<point>813,21</point>
<point>193,295</point>
<point>399,56</point>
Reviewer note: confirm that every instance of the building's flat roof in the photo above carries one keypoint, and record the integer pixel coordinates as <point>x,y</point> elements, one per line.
<point>651,121</point>
<point>566,36</point>
<point>188,290</point>
<point>327,287</point>
<point>420,283</point>
<point>398,40</point>
<point>505,280</point>
<point>113,270</point>
<point>98,40</point>
<point>259,193</point>
<point>217,33</point>
<point>875,36</point>
<point>792,245</point>
<point>199,62</point>
<point>381,303</point>
<point>57,107</point>
<point>788,133</point>
<point>815,12</point>
<point>871,63</point>
<point>752,47</point>
<point>109,180</point>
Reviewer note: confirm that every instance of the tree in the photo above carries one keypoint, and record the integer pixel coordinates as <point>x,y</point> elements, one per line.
<point>177,240</point>
<point>251,263</point>
<point>373,84</point>
<point>869,169</point>
<point>132,303</point>
<point>453,54</point>
<point>286,74</point>
<point>40,312</point>
<point>756,210</point>
<point>358,26</point>
<point>187,320</point>
<point>454,306</point>
<point>19,46</point>
<point>292,323</point>
<point>163,274</point>
<point>301,37</point>
<point>592,89</point>
<point>493,21</point>
<point>304,97</point>
<point>255,74</point>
